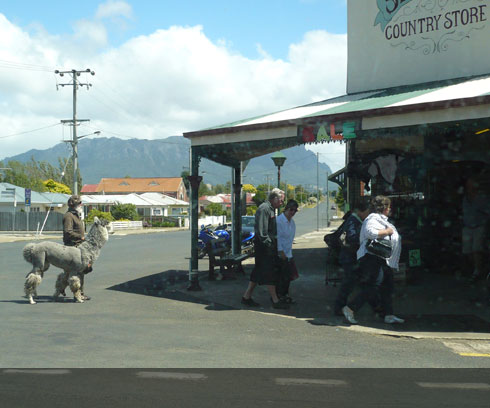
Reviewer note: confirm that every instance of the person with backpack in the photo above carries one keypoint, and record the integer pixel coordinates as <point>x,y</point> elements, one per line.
<point>348,254</point>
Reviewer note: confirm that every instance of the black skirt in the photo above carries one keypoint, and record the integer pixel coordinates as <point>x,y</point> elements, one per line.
<point>266,270</point>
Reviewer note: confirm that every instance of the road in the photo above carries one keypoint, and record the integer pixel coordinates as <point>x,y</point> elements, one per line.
<point>126,330</point>
<point>242,388</point>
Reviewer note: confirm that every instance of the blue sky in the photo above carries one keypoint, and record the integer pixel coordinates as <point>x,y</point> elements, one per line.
<point>164,67</point>
<point>275,24</point>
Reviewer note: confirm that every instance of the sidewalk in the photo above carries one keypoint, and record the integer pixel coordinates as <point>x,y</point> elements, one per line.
<point>438,307</point>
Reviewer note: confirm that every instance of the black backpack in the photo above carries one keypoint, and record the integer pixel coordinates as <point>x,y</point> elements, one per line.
<point>335,240</point>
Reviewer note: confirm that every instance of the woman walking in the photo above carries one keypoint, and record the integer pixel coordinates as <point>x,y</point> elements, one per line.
<point>375,269</point>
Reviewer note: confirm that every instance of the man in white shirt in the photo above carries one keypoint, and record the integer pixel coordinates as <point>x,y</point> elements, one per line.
<point>286,230</point>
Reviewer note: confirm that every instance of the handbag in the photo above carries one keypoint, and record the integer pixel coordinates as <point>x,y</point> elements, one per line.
<point>380,247</point>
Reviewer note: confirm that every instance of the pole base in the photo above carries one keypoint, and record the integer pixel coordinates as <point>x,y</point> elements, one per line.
<point>194,286</point>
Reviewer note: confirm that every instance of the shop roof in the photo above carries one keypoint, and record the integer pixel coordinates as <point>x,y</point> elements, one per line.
<point>381,99</point>
<point>435,102</point>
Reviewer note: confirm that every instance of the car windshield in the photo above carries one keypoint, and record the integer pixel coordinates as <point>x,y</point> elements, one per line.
<point>248,221</point>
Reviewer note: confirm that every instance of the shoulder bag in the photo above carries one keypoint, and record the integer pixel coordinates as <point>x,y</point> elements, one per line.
<point>380,247</point>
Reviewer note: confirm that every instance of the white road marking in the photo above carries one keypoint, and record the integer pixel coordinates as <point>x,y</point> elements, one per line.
<point>42,372</point>
<point>310,381</point>
<point>469,348</point>
<point>171,375</point>
<point>459,386</point>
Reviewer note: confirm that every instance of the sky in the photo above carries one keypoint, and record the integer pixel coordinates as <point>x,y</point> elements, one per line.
<point>164,67</point>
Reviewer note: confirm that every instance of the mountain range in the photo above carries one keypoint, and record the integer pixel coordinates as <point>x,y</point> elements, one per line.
<point>113,157</point>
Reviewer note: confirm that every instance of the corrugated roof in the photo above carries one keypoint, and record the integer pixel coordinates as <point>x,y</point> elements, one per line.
<point>36,197</point>
<point>163,199</point>
<point>380,99</point>
<point>139,200</point>
<point>139,184</point>
<point>89,188</point>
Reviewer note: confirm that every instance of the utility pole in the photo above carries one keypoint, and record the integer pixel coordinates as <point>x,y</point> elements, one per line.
<point>74,122</point>
<point>328,203</point>
<point>317,192</point>
<point>268,185</point>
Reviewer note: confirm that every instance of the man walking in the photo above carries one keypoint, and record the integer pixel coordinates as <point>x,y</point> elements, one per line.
<point>265,271</point>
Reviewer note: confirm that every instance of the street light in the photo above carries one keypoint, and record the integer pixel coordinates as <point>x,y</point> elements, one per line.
<point>278,158</point>
<point>74,145</point>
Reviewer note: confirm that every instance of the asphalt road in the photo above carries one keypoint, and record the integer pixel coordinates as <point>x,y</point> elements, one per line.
<point>148,334</point>
<point>121,329</point>
<point>243,388</point>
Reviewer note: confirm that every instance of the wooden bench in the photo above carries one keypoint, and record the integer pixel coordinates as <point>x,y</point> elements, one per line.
<point>229,264</point>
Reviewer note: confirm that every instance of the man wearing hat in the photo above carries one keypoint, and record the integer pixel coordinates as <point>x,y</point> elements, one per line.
<point>74,231</point>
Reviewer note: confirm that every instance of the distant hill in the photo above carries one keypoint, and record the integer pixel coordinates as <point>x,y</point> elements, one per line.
<point>113,157</point>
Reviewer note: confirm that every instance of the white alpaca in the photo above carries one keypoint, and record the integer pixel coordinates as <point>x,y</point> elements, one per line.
<point>73,261</point>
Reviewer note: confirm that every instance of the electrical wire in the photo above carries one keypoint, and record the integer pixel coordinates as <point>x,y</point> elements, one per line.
<point>25,67</point>
<point>29,131</point>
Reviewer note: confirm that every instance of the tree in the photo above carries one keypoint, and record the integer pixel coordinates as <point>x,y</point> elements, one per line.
<point>32,174</point>
<point>204,190</point>
<point>54,187</point>
<point>339,198</point>
<point>124,212</point>
<point>214,209</point>
<point>249,188</point>
<point>219,189</point>
<point>184,176</point>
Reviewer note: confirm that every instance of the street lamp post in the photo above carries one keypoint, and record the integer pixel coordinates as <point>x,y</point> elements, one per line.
<point>278,158</point>
<point>74,145</point>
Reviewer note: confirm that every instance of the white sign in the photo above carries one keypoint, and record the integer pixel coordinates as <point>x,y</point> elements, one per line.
<point>404,42</point>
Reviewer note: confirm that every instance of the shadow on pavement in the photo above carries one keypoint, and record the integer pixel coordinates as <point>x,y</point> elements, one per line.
<point>436,303</point>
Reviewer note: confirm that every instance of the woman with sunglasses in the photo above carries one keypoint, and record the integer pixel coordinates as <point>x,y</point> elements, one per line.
<point>286,230</point>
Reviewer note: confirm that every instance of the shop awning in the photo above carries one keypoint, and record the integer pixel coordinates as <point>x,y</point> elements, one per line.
<point>436,102</point>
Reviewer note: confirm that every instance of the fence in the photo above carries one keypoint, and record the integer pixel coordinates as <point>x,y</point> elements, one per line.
<point>118,225</point>
<point>212,220</point>
<point>8,222</point>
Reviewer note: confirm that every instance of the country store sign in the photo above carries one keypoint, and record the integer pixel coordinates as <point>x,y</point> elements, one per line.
<point>405,42</point>
<point>429,25</point>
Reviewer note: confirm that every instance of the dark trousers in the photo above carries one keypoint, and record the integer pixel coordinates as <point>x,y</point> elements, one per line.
<point>284,278</point>
<point>369,271</point>
<point>350,279</point>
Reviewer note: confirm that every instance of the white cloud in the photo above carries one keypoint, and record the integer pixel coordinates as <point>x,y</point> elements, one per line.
<point>112,8</point>
<point>172,81</point>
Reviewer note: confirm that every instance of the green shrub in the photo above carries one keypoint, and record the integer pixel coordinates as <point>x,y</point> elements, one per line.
<point>100,214</point>
<point>125,212</point>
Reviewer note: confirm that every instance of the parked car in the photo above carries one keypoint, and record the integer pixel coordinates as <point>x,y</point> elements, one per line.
<point>248,223</point>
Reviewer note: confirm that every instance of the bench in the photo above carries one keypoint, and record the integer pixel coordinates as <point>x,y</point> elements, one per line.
<point>229,264</point>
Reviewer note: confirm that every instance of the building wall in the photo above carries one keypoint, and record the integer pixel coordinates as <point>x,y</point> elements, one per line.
<point>405,42</point>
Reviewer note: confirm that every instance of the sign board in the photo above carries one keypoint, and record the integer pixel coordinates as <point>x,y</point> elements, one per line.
<point>414,257</point>
<point>27,197</point>
<point>328,132</point>
<point>10,192</point>
<point>404,42</point>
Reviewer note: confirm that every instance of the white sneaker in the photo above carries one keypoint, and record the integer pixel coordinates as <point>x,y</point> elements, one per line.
<point>390,319</point>
<point>349,315</point>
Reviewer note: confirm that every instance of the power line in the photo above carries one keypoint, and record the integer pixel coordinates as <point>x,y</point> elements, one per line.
<point>24,67</point>
<point>29,131</point>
